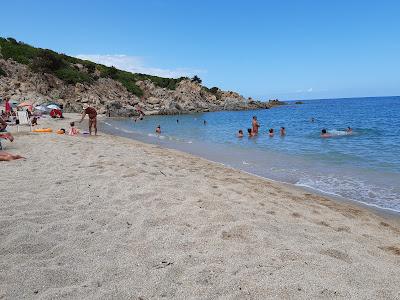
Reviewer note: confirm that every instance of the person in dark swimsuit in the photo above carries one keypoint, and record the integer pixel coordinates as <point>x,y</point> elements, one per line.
<point>92,113</point>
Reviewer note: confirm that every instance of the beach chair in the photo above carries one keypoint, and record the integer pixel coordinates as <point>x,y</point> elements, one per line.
<point>23,119</point>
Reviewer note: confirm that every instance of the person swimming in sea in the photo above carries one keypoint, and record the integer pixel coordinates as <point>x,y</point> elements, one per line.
<point>255,125</point>
<point>177,121</point>
<point>204,122</point>
<point>325,134</point>
<point>349,130</point>
<point>312,120</point>
<point>158,129</point>
<point>240,133</point>
<point>282,131</point>
<point>250,132</point>
<point>271,132</point>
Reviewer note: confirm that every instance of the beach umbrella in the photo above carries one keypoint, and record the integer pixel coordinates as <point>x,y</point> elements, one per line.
<point>13,103</point>
<point>41,108</point>
<point>22,104</point>
<point>53,106</point>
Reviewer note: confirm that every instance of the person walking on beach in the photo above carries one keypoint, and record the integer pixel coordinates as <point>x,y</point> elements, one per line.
<point>92,113</point>
<point>255,125</point>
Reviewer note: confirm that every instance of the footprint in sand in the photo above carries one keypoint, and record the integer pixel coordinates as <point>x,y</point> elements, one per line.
<point>337,254</point>
<point>391,249</point>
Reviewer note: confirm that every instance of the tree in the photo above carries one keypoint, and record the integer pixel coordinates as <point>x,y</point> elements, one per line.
<point>196,79</point>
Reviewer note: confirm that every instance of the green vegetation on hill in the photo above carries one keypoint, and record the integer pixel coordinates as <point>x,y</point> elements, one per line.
<point>73,70</point>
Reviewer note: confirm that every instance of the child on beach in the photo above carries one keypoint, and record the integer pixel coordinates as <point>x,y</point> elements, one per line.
<point>72,129</point>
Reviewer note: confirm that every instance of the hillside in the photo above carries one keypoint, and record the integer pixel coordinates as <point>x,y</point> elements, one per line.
<point>40,75</point>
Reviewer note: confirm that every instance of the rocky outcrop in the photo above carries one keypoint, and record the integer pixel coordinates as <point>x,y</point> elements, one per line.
<point>108,95</point>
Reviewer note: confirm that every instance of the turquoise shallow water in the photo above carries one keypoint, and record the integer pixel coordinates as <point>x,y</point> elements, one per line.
<point>364,166</point>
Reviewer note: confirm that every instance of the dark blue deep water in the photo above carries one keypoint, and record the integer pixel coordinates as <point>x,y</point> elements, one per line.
<point>363,166</point>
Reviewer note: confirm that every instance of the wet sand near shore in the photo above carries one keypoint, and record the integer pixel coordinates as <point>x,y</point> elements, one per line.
<point>108,217</point>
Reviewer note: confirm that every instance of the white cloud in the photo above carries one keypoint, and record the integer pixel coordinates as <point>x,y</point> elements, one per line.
<point>136,64</point>
<point>310,90</point>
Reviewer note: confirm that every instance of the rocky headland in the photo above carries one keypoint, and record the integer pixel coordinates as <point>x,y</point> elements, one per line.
<point>41,78</point>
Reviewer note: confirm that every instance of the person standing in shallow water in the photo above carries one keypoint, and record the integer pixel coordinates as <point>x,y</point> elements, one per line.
<point>255,125</point>
<point>92,113</point>
<point>282,131</point>
<point>158,129</point>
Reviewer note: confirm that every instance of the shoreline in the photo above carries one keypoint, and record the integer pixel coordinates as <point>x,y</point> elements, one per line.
<point>382,211</point>
<point>112,217</point>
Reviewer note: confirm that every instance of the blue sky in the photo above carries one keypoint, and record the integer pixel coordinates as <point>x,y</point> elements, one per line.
<point>265,49</point>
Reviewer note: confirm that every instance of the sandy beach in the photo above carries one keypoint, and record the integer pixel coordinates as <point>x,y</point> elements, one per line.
<point>111,218</point>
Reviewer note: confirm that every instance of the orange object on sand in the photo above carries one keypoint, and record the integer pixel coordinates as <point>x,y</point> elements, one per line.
<point>42,130</point>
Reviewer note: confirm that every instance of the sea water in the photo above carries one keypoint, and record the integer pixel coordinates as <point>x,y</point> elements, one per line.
<point>363,166</point>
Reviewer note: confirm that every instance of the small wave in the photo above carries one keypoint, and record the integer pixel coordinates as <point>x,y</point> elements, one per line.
<point>353,189</point>
<point>338,132</point>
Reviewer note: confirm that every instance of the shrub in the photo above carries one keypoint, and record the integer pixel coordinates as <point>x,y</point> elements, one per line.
<point>19,52</point>
<point>47,61</point>
<point>72,76</point>
<point>214,90</point>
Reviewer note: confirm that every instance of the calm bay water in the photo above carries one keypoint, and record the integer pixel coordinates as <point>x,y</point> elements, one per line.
<point>364,166</point>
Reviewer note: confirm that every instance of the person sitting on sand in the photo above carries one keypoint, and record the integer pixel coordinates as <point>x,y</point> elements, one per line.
<point>158,129</point>
<point>5,156</point>
<point>255,125</point>
<point>282,131</point>
<point>3,132</point>
<point>271,132</point>
<point>250,132</point>
<point>325,134</point>
<point>240,133</point>
<point>349,130</point>
<point>72,129</point>
<point>92,113</point>
<point>34,121</point>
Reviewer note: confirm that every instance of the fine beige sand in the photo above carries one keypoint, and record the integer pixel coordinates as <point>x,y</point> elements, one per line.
<point>110,218</point>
